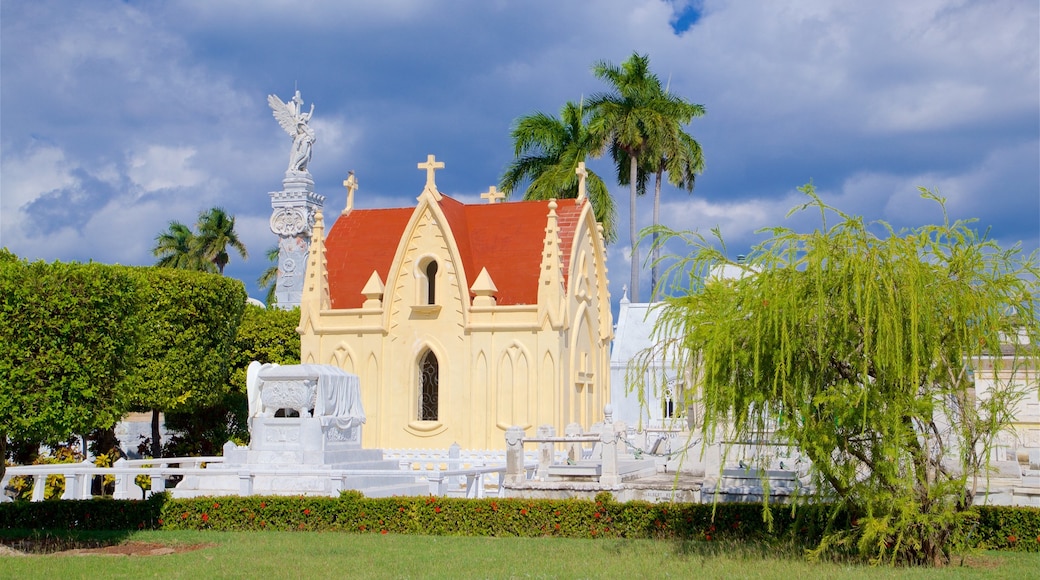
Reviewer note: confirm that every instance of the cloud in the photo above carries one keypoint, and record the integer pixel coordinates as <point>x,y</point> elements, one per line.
<point>162,167</point>
<point>133,114</point>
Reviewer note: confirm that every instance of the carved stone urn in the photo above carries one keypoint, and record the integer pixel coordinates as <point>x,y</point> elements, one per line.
<point>298,395</point>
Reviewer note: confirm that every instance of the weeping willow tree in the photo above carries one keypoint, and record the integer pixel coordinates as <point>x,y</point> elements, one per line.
<point>864,348</point>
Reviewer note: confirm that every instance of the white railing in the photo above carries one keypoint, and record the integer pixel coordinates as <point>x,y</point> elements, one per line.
<point>449,459</point>
<point>473,482</point>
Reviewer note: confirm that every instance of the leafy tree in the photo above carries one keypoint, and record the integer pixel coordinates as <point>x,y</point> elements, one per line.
<point>548,150</point>
<point>68,338</point>
<point>265,335</point>
<point>633,117</point>
<point>189,325</point>
<point>216,232</point>
<point>269,278</point>
<point>862,350</point>
<point>177,247</point>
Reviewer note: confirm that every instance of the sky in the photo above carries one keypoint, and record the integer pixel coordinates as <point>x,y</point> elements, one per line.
<point>119,117</point>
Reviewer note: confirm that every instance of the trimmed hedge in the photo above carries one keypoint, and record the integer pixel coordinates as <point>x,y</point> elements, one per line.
<point>602,517</point>
<point>1000,528</point>
<point>80,515</point>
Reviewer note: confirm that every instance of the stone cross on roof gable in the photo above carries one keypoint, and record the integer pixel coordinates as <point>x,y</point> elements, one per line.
<point>431,166</point>
<point>351,184</point>
<point>492,195</point>
<point>582,174</point>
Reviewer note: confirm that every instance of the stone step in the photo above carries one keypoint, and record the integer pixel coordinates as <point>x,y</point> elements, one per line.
<point>384,464</point>
<point>341,456</point>
<point>362,482</point>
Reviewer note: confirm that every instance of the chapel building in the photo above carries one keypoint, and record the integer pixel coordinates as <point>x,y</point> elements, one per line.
<point>462,320</point>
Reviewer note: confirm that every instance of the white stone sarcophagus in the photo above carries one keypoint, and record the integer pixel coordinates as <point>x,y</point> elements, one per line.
<point>302,414</point>
<point>304,424</point>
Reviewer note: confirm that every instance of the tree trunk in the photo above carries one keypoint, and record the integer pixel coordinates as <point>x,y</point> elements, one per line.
<point>156,444</point>
<point>656,252</point>
<point>3,456</point>
<point>633,290</point>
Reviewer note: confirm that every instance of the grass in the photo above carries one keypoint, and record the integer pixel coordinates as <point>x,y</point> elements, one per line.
<point>271,555</point>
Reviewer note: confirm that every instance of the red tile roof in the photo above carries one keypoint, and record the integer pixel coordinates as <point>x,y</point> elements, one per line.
<point>505,238</point>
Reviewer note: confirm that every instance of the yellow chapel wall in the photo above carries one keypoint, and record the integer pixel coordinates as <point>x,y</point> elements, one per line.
<point>499,365</point>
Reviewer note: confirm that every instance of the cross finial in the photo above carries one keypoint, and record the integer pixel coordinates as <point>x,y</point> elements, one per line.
<point>582,174</point>
<point>430,166</point>
<point>492,195</point>
<point>351,184</point>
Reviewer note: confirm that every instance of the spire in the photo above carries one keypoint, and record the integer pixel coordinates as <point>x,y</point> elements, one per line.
<point>484,289</point>
<point>316,282</point>
<point>551,292</point>
<point>373,291</point>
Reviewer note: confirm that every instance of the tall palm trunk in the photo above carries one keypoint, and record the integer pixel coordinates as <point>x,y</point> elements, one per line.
<point>632,169</point>
<point>655,251</point>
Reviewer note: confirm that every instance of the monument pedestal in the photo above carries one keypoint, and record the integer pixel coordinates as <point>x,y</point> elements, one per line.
<point>292,216</point>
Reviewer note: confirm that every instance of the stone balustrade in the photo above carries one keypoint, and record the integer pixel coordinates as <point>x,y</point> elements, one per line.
<point>469,482</point>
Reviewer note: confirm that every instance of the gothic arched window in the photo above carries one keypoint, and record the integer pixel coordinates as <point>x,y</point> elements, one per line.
<point>431,282</point>
<point>429,386</point>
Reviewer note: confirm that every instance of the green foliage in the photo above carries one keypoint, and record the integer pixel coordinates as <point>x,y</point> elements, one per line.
<point>859,350</point>
<point>1007,528</point>
<point>177,247</point>
<point>189,324</point>
<point>68,339</point>
<point>90,514</point>
<point>641,122</point>
<point>188,332</point>
<point>548,150</point>
<point>205,251</point>
<point>216,232</point>
<point>265,335</point>
<point>570,518</point>
<point>269,277</point>
<point>1001,528</point>
<point>55,484</point>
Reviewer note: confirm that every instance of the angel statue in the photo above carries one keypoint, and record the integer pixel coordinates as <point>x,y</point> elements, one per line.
<point>292,118</point>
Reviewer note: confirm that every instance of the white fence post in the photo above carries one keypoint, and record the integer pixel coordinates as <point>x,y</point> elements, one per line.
<point>545,451</point>
<point>515,472</point>
<point>39,487</point>
<point>608,438</point>
<point>158,483</point>
<point>123,481</point>
<point>245,483</point>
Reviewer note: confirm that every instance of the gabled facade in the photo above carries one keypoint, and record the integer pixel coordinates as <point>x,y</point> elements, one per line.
<point>462,320</point>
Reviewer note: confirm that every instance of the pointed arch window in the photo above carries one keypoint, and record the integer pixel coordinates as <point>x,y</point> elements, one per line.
<point>429,386</point>
<point>431,282</point>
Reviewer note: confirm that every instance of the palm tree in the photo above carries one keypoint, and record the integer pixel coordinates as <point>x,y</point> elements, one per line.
<point>269,278</point>
<point>177,248</point>
<point>217,232</point>
<point>676,152</point>
<point>548,150</point>
<point>636,109</point>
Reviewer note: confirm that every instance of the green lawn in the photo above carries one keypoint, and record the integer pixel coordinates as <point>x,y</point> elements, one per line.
<point>272,555</point>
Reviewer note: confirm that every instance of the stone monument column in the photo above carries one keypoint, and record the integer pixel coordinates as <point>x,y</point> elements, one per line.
<point>293,208</point>
<point>292,217</point>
